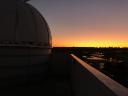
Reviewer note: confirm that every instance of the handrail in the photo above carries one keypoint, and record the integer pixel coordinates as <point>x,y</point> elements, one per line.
<point>117,88</point>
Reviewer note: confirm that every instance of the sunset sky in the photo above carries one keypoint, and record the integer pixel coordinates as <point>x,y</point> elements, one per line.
<point>86,23</point>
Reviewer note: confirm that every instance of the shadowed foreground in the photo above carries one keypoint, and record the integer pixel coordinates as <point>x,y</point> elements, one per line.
<point>56,81</point>
<point>68,76</point>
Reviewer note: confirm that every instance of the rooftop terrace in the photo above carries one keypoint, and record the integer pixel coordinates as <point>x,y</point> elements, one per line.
<point>69,76</point>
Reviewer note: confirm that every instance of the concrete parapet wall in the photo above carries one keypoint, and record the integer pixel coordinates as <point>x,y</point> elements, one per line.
<point>87,81</point>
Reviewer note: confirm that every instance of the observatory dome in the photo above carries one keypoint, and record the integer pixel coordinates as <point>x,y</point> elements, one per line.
<point>22,23</point>
<point>25,39</point>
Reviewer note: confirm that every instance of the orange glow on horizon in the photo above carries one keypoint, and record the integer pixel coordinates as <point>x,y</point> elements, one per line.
<point>92,37</point>
<point>92,44</point>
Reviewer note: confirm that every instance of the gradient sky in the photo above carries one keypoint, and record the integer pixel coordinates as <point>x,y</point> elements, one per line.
<point>89,23</point>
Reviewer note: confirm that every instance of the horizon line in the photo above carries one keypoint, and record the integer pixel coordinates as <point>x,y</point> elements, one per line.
<point>84,47</point>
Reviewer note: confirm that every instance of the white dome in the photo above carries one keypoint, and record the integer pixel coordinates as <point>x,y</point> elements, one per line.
<point>22,23</point>
<point>25,41</point>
